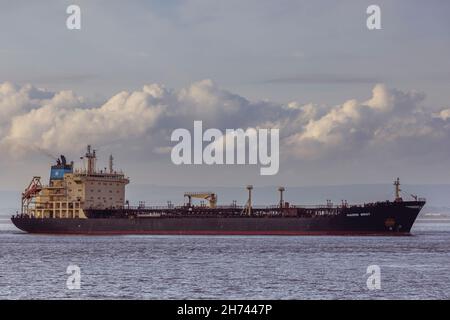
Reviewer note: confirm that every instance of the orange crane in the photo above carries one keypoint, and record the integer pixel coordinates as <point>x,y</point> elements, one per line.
<point>30,192</point>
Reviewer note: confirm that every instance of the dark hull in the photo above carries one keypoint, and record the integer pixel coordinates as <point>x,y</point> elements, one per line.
<point>383,219</point>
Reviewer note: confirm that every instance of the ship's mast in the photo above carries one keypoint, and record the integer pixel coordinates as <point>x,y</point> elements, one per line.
<point>397,190</point>
<point>91,158</point>
<point>111,164</point>
<point>248,207</point>
<point>281,190</point>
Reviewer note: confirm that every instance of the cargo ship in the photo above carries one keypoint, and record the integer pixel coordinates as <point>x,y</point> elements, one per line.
<point>89,201</point>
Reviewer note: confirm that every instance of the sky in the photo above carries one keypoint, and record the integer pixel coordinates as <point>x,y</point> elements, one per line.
<point>353,105</point>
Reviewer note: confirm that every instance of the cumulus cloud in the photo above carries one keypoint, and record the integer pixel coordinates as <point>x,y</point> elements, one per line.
<point>62,121</point>
<point>444,114</point>
<point>353,125</point>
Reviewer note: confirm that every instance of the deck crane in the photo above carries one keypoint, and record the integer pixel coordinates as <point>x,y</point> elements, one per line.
<point>211,197</point>
<point>31,192</point>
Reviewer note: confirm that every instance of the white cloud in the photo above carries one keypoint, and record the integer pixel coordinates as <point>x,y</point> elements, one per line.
<point>444,114</point>
<point>62,121</point>
<point>387,116</point>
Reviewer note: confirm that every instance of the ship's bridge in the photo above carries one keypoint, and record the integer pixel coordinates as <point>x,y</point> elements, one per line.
<point>70,190</point>
<point>58,171</point>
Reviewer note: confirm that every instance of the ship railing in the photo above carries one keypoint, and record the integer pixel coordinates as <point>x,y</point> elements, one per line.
<point>318,206</point>
<point>198,207</point>
<point>181,208</point>
<point>148,207</point>
<point>268,207</point>
<point>107,175</point>
<point>229,206</point>
<point>348,205</point>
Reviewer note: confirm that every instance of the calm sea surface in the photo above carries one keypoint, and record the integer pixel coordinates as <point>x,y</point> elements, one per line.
<point>191,267</point>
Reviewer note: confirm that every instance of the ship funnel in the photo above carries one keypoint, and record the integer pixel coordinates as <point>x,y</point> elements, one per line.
<point>63,160</point>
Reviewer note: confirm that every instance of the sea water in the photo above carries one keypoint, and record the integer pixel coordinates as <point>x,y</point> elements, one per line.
<point>225,267</point>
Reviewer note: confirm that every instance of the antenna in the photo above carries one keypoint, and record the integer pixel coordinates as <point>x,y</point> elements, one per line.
<point>281,190</point>
<point>111,164</point>
<point>91,158</point>
<point>398,198</point>
<point>248,207</point>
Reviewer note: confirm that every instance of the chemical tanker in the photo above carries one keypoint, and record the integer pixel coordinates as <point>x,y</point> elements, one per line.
<point>92,202</point>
